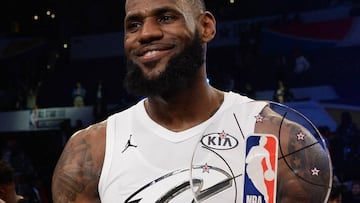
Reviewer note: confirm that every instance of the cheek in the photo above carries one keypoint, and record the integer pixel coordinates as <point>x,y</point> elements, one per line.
<point>127,46</point>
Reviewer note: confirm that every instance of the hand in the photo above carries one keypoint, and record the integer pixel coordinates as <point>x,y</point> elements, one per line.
<point>18,198</point>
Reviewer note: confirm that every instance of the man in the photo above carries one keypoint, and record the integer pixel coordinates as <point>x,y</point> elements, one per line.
<point>143,154</point>
<point>7,184</point>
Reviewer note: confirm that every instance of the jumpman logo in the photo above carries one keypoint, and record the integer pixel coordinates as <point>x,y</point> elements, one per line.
<point>128,144</point>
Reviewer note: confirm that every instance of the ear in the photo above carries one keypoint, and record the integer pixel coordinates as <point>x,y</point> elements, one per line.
<point>207,26</point>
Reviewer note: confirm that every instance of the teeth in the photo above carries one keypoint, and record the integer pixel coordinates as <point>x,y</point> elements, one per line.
<point>149,53</point>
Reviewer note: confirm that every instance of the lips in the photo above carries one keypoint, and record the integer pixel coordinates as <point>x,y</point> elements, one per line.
<point>153,52</point>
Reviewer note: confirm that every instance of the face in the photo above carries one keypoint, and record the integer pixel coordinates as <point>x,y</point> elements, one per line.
<point>159,34</point>
<point>179,73</point>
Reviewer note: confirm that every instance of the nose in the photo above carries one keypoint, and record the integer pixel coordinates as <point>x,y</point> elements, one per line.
<point>150,31</point>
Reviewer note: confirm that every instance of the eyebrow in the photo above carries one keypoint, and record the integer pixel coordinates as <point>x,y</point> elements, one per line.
<point>156,12</point>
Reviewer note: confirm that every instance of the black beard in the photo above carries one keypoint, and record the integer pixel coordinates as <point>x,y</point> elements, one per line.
<point>181,70</point>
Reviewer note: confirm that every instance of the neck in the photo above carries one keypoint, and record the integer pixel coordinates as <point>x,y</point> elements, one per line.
<point>186,109</point>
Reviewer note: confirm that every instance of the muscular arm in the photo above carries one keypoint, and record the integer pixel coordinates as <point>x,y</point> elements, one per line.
<point>297,157</point>
<point>77,172</point>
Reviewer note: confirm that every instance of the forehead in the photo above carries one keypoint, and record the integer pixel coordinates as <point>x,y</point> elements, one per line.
<point>148,5</point>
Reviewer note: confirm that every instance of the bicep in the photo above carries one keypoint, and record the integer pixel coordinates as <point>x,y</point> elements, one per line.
<point>76,176</point>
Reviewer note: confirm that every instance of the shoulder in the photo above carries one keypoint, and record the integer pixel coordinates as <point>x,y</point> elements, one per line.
<point>91,141</point>
<point>292,135</point>
<point>93,133</point>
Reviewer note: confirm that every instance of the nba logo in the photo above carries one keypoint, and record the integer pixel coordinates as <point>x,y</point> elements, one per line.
<point>260,169</point>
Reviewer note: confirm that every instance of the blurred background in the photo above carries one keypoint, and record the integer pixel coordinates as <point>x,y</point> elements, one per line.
<point>62,66</point>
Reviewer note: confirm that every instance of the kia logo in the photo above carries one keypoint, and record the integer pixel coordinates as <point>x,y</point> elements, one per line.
<point>219,141</point>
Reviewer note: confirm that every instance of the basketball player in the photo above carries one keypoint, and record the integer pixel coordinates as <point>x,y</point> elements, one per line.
<point>143,154</point>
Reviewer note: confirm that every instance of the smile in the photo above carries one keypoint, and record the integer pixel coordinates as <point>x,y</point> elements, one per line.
<point>155,52</point>
<point>152,55</point>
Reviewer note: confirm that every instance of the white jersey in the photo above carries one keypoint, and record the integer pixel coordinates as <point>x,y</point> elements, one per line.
<point>145,162</point>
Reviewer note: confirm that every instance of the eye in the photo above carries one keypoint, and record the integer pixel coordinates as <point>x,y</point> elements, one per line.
<point>167,18</point>
<point>133,26</point>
